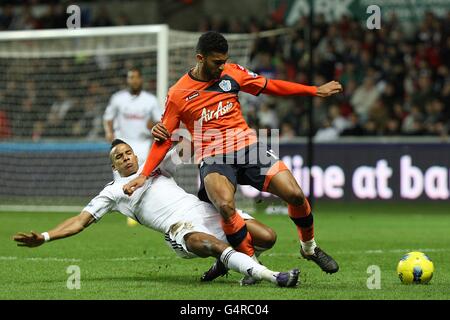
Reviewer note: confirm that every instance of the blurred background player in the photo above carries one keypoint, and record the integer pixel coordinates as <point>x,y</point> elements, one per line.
<point>190,226</point>
<point>130,115</point>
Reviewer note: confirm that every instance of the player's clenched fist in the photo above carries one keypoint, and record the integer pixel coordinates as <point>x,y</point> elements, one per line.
<point>134,184</point>
<point>328,89</point>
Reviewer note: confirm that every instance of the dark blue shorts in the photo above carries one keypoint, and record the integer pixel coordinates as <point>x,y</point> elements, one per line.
<point>248,166</point>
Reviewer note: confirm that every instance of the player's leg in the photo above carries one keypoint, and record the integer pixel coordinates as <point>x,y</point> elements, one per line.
<point>220,191</point>
<point>266,172</point>
<point>263,236</point>
<point>263,239</point>
<point>284,185</point>
<point>205,245</point>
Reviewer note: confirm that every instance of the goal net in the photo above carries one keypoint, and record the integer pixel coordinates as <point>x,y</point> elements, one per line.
<point>54,88</point>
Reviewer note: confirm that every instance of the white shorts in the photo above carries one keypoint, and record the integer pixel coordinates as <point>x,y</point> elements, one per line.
<point>204,218</point>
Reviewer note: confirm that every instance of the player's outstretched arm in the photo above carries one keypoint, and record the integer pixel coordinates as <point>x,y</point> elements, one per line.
<point>109,131</point>
<point>66,229</point>
<point>184,147</point>
<point>287,88</point>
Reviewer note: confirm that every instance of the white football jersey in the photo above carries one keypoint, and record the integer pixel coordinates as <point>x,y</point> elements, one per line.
<point>130,114</point>
<point>158,204</point>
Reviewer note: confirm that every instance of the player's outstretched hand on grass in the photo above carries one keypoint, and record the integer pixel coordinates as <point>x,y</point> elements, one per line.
<point>160,133</point>
<point>328,89</point>
<point>134,184</point>
<point>29,240</point>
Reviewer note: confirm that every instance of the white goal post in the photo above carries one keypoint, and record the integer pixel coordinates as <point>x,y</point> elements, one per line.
<point>161,46</point>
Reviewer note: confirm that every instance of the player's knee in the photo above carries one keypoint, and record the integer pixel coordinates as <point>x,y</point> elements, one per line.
<point>194,244</point>
<point>204,245</point>
<point>296,197</point>
<point>226,208</point>
<point>268,237</point>
<point>213,247</point>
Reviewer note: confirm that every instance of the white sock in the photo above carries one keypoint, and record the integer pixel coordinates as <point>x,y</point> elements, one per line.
<point>246,265</point>
<point>269,275</point>
<point>255,257</point>
<point>258,251</point>
<point>309,246</point>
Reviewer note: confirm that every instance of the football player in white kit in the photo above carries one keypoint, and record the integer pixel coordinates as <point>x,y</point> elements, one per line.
<point>191,226</point>
<point>130,115</point>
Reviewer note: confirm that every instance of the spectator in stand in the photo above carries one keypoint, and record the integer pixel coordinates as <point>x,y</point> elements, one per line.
<point>5,128</point>
<point>435,122</point>
<point>354,128</point>
<point>410,124</point>
<point>55,18</point>
<point>364,98</point>
<point>406,70</point>
<point>392,127</point>
<point>267,116</point>
<point>102,18</point>
<point>287,132</point>
<point>379,114</point>
<point>23,121</point>
<point>338,122</point>
<point>7,16</point>
<point>327,132</point>
<point>54,125</point>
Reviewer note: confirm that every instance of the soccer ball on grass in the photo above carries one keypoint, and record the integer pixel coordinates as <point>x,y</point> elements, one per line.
<point>415,267</point>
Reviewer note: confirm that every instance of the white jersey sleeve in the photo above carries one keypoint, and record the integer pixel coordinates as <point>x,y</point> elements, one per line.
<point>111,110</point>
<point>169,165</point>
<point>101,204</point>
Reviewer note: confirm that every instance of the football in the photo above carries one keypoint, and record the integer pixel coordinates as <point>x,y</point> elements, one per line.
<point>415,267</point>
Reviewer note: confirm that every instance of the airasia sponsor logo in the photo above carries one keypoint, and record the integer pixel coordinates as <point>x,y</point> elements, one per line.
<point>221,110</point>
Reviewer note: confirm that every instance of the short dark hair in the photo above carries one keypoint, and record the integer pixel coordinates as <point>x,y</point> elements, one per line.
<point>212,41</point>
<point>135,69</point>
<point>117,142</point>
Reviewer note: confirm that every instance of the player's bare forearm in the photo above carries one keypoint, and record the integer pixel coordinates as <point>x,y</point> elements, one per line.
<point>71,226</point>
<point>109,131</point>
<point>66,229</point>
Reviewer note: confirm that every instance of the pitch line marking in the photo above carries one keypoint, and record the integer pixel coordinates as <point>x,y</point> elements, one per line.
<point>125,259</point>
<point>45,259</point>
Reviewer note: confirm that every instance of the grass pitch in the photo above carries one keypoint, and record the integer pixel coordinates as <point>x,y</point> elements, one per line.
<point>120,262</point>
